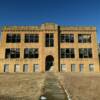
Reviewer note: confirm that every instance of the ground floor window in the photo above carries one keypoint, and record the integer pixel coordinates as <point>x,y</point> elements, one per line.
<point>91,67</point>
<point>73,67</point>
<point>63,67</point>
<point>25,68</point>
<point>36,68</point>
<point>6,68</point>
<point>16,68</point>
<point>81,67</point>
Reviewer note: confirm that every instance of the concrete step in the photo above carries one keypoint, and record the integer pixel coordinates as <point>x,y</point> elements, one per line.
<point>53,89</point>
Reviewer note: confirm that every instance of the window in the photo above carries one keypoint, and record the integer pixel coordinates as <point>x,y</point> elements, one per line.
<point>81,67</point>
<point>67,38</point>
<point>12,53</point>
<point>73,67</point>
<point>6,68</point>
<point>67,53</point>
<point>16,68</point>
<point>84,38</point>
<point>63,67</point>
<point>13,38</point>
<point>85,53</point>
<point>31,53</point>
<point>49,40</point>
<point>36,67</point>
<point>30,38</point>
<point>91,67</point>
<point>25,68</point>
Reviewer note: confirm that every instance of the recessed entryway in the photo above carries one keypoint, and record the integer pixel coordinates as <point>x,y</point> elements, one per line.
<point>49,62</point>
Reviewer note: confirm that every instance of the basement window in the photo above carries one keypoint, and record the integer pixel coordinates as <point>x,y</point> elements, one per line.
<point>12,53</point>
<point>73,67</point>
<point>63,67</point>
<point>31,53</point>
<point>91,67</point>
<point>81,67</point>
<point>25,68</point>
<point>16,68</point>
<point>36,67</point>
<point>6,68</point>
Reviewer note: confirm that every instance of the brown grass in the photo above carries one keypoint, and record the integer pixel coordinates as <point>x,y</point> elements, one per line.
<point>20,86</point>
<point>82,86</point>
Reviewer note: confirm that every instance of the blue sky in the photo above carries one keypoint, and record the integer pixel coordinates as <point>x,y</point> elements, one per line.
<point>62,12</point>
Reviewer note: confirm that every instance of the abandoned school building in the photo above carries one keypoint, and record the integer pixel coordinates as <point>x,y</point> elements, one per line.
<point>48,47</point>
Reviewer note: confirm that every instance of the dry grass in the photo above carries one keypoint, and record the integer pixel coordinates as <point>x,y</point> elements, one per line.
<point>21,86</point>
<point>82,86</point>
<point>28,86</point>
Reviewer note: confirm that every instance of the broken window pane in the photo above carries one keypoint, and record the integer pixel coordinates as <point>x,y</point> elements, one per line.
<point>85,53</point>
<point>84,38</point>
<point>12,53</point>
<point>31,53</point>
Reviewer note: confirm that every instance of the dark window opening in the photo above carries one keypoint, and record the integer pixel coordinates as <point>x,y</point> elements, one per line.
<point>31,53</point>
<point>12,53</point>
<point>67,53</point>
<point>49,40</point>
<point>29,38</point>
<point>13,38</point>
<point>84,38</point>
<point>85,53</point>
<point>69,38</point>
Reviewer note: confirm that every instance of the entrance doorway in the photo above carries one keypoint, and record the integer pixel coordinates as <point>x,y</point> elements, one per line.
<point>49,63</point>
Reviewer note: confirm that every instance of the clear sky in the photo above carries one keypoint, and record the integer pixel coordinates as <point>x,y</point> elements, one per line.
<point>62,12</point>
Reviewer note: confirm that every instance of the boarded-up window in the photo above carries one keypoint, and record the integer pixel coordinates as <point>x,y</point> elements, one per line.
<point>16,68</point>
<point>36,67</point>
<point>63,67</point>
<point>6,68</point>
<point>91,67</point>
<point>81,67</point>
<point>73,67</point>
<point>25,68</point>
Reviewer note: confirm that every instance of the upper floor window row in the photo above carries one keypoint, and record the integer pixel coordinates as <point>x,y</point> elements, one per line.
<point>84,38</point>
<point>49,37</point>
<point>16,38</point>
<point>67,38</point>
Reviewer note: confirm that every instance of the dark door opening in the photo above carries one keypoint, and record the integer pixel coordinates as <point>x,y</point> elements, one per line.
<point>49,62</point>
